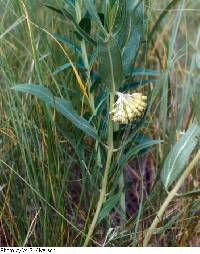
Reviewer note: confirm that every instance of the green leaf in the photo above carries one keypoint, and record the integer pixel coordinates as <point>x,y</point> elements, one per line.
<point>164,105</point>
<point>91,8</point>
<point>190,194</point>
<point>107,16</point>
<point>132,4</point>
<point>179,156</point>
<point>68,43</point>
<point>196,101</point>
<point>79,30</point>
<point>122,26</point>
<point>108,206</point>
<point>120,19</point>
<point>85,24</point>
<point>61,12</point>
<point>198,59</point>
<point>111,15</point>
<point>61,105</point>
<point>142,72</point>
<point>110,64</point>
<point>64,67</point>
<point>70,3</point>
<point>136,150</point>
<point>76,144</point>
<point>70,6</point>
<point>138,83</point>
<point>134,32</point>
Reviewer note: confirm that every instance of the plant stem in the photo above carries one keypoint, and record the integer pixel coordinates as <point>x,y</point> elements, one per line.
<point>105,177</point>
<point>169,198</point>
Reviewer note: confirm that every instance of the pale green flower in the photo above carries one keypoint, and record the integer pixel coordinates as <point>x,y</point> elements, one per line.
<point>128,107</point>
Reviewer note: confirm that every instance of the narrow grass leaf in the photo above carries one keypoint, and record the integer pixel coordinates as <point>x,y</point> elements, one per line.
<point>170,62</point>
<point>13,26</point>
<point>193,194</point>
<point>161,17</point>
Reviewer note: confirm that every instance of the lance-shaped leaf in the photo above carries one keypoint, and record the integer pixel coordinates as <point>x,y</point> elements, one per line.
<point>66,66</point>
<point>135,23</point>
<point>70,3</point>
<point>134,151</point>
<point>179,156</point>
<point>196,101</point>
<point>67,42</point>
<point>69,15</point>
<point>91,8</point>
<point>110,64</point>
<point>61,105</point>
<point>108,206</point>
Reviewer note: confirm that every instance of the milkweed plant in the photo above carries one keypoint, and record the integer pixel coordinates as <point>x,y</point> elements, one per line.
<point>115,96</point>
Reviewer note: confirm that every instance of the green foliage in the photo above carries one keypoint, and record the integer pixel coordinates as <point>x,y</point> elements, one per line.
<point>70,16</point>
<point>110,63</point>
<point>133,34</point>
<point>53,164</point>
<point>90,6</point>
<point>61,105</point>
<point>67,43</point>
<point>136,150</point>
<point>108,206</point>
<point>111,14</point>
<point>164,13</point>
<point>179,156</point>
<point>196,101</point>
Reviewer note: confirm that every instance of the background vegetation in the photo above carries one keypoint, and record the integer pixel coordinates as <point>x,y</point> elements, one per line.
<point>51,172</point>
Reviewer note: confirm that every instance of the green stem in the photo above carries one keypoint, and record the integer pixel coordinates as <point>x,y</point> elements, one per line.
<point>105,177</point>
<point>89,82</point>
<point>169,198</point>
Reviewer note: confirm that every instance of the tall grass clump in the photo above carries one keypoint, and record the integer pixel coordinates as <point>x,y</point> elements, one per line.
<point>100,123</point>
